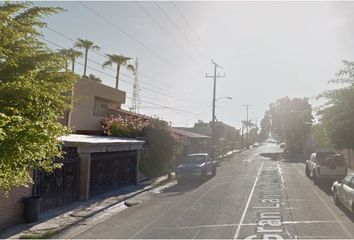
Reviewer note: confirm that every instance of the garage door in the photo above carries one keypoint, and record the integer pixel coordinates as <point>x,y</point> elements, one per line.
<point>111,171</point>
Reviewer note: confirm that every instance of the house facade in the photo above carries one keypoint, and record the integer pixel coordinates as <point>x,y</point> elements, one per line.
<point>93,164</point>
<point>92,101</point>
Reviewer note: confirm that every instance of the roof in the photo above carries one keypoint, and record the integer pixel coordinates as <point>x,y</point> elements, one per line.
<point>189,134</point>
<point>92,139</point>
<point>128,113</point>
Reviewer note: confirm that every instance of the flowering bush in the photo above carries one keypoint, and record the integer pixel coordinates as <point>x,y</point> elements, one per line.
<point>161,143</point>
<point>162,146</point>
<point>127,126</point>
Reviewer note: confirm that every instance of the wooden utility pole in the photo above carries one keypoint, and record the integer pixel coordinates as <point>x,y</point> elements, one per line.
<point>247,126</point>
<point>213,140</point>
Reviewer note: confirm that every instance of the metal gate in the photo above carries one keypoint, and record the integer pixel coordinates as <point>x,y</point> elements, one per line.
<point>61,186</point>
<point>112,170</point>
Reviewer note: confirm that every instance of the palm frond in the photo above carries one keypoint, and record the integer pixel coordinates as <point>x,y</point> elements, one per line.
<point>107,63</point>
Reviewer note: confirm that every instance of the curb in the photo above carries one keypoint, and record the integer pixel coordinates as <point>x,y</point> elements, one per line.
<point>37,234</point>
<point>148,188</point>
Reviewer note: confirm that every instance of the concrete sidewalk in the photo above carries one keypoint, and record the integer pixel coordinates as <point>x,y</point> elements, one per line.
<point>55,221</point>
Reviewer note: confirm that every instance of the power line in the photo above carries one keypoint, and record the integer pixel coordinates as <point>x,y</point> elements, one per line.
<point>127,35</point>
<point>93,61</point>
<point>164,30</point>
<point>103,55</point>
<point>179,29</point>
<point>187,22</point>
<point>172,108</point>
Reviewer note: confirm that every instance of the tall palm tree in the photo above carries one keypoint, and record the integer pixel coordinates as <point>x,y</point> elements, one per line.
<point>73,55</point>
<point>65,53</point>
<point>119,60</point>
<point>86,45</point>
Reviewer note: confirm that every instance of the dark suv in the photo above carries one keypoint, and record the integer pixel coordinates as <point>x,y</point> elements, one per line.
<point>197,165</point>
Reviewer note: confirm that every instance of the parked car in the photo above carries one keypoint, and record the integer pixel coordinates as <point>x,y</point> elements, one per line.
<point>343,192</point>
<point>325,166</point>
<point>197,165</point>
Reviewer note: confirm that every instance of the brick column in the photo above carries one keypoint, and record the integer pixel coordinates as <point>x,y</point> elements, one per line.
<point>85,162</point>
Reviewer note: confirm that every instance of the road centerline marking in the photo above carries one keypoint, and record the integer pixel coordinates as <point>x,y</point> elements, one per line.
<point>247,203</point>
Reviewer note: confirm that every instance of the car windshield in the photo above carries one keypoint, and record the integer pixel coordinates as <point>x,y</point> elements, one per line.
<point>323,156</point>
<point>337,160</point>
<point>198,159</point>
<point>330,158</point>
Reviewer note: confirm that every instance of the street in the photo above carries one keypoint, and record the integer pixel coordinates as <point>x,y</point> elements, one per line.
<point>250,197</point>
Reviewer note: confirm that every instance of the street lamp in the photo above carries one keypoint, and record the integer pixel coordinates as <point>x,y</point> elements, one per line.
<point>230,98</point>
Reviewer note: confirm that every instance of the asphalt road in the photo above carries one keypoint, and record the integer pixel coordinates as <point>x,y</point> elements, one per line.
<point>251,197</point>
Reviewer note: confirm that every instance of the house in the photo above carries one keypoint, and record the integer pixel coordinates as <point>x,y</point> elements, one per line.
<point>92,102</point>
<point>193,142</point>
<point>92,163</point>
<point>227,136</point>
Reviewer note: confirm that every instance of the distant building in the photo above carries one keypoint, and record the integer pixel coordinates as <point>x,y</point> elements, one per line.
<point>226,135</point>
<point>193,142</point>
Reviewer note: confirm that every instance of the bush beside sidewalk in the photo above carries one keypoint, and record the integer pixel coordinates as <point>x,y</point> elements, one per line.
<point>60,219</point>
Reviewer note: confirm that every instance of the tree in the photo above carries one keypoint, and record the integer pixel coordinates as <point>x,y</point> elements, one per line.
<point>73,54</point>
<point>33,93</point>
<point>70,54</point>
<point>290,121</point>
<point>119,60</point>
<point>94,78</point>
<point>265,132</point>
<point>321,137</point>
<point>65,53</point>
<point>86,45</point>
<point>337,113</point>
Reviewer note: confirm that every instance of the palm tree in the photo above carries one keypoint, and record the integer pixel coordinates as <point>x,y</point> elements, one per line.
<point>73,55</point>
<point>119,60</point>
<point>65,53</point>
<point>86,45</point>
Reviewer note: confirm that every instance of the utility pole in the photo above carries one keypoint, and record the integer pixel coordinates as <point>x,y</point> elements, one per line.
<point>135,101</point>
<point>213,140</point>
<point>247,126</point>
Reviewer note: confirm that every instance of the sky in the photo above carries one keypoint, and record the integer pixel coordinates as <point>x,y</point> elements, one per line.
<point>267,50</point>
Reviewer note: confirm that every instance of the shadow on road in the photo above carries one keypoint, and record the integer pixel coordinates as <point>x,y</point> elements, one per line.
<point>325,187</point>
<point>276,156</point>
<point>185,186</point>
<point>347,213</point>
<point>285,157</point>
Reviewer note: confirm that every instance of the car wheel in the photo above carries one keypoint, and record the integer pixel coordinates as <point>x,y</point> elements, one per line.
<point>335,197</point>
<point>307,171</point>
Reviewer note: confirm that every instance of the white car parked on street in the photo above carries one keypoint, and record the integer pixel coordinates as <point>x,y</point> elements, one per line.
<point>343,192</point>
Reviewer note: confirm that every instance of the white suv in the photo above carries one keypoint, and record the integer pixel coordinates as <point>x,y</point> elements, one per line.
<point>325,166</point>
